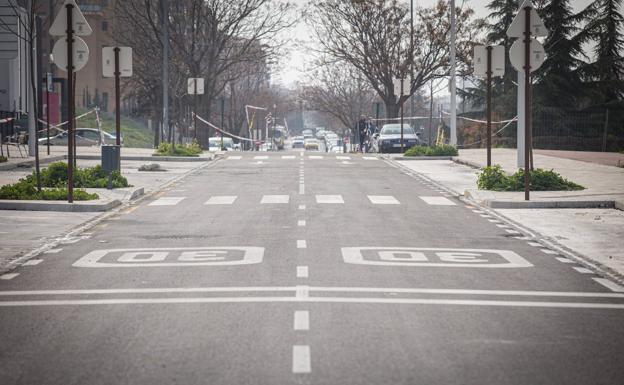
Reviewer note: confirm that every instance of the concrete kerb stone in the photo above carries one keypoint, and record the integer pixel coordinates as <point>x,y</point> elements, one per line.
<point>423,158</point>
<point>89,224</point>
<point>77,207</point>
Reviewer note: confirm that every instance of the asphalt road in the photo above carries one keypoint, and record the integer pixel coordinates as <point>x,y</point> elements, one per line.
<point>308,268</point>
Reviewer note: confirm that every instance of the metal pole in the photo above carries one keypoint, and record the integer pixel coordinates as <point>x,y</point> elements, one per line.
<point>48,112</point>
<point>195,96</point>
<point>222,119</point>
<point>401,102</point>
<point>489,105</point>
<point>453,139</point>
<point>117,99</point>
<point>527,101</point>
<point>70,103</point>
<point>165,68</point>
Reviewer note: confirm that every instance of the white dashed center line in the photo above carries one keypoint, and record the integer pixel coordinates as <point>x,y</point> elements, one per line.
<point>301,223</point>
<point>302,272</point>
<point>301,244</point>
<point>301,359</point>
<point>302,207</point>
<point>302,320</point>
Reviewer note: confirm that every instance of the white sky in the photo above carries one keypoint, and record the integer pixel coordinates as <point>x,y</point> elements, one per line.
<point>294,64</point>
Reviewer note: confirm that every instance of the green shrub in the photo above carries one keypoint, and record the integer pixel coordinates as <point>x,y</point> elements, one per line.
<point>25,190</point>
<point>493,178</point>
<point>443,150</point>
<point>3,159</point>
<point>55,176</point>
<point>165,148</point>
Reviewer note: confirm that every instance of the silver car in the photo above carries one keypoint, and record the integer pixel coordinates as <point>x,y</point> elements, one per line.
<point>389,139</point>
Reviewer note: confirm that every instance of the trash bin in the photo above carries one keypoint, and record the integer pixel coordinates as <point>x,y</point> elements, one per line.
<point>111,158</point>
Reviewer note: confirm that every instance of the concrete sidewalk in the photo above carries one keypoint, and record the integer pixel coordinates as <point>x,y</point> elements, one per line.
<point>593,234</point>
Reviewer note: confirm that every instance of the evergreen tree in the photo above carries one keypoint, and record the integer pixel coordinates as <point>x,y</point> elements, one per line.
<point>502,14</point>
<point>606,73</point>
<point>559,79</point>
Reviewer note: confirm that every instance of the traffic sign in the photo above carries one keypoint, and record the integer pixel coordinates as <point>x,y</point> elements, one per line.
<point>192,82</point>
<point>517,55</point>
<point>125,62</point>
<point>81,54</point>
<point>397,87</point>
<point>517,26</point>
<point>480,60</point>
<point>81,27</point>
<point>8,31</point>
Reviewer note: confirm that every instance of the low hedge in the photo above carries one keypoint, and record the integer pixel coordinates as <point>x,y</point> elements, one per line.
<point>25,190</point>
<point>3,159</point>
<point>443,150</point>
<point>493,178</point>
<point>165,148</point>
<point>55,176</point>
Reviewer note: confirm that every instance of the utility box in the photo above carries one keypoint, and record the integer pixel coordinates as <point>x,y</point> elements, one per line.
<point>111,158</point>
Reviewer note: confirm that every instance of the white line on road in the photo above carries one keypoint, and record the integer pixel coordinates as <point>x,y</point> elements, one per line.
<point>564,260</point>
<point>534,244</point>
<point>503,226</point>
<point>275,199</point>
<point>383,200</point>
<point>583,270</point>
<point>302,207</point>
<point>343,157</point>
<point>301,359</point>
<point>512,231</point>
<point>315,157</point>
<point>301,189</point>
<point>221,200</point>
<point>548,251</point>
<point>302,320</point>
<point>438,201</point>
<point>236,157</point>
<point>610,285</point>
<point>302,272</point>
<point>330,199</point>
<point>32,262</point>
<point>167,201</point>
<point>52,251</point>
<point>301,223</point>
<point>258,157</point>
<point>7,277</point>
<point>288,157</point>
<point>369,158</point>
<point>302,244</point>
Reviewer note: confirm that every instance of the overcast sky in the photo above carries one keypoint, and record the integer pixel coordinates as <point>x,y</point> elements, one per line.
<point>294,64</point>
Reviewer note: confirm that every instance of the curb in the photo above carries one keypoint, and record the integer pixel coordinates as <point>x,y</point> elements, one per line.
<point>59,206</point>
<point>423,158</point>
<point>148,158</point>
<point>550,204</point>
<point>29,163</point>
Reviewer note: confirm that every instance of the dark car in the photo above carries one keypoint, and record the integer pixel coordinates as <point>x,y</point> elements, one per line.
<point>389,139</point>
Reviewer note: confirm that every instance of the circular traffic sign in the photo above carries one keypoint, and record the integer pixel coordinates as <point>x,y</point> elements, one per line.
<point>81,54</point>
<point>517,55</point>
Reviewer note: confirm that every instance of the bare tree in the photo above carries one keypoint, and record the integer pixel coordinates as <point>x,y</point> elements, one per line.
<point>374,37</point>
<point>339,90</point>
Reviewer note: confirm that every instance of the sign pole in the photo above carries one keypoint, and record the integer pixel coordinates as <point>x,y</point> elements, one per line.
<point>48,111</point>
<point>195,112</point>
<point>117,99</point>
<point>401,101</point>
<point>527,101</point>
<point>70,103</point>
<point>489,105</point>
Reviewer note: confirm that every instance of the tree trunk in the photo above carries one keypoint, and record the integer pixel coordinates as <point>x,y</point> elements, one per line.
<point>392,109</point>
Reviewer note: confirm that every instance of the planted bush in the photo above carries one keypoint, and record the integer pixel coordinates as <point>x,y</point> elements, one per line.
<point>25,190</point>
<point>493,178</point>
<point>165,148</point>
<point>3,159</point>
<point>443,150</point>
<point>55,175</point>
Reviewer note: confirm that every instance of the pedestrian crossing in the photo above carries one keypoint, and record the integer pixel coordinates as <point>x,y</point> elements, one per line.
<point>320,199</point>
<point>309,157</point>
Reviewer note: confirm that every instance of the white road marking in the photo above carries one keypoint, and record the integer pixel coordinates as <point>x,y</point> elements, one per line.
<point>302,272</point>
<point>302,244</point>
<point>564,260</point>
<point>347,162</point>
<point>275,199</point>
<point>221,200</point>
<point>610,285</point>
<point>343,300</point>
<point>301,359</point>
<point>438,201</point>
<point>315,157</point>
<point>369,158</point>
<point>512,231</point>
<point>343,157</point>
<point>258,157</point>
<point>302,320</point>
<point>477,211</point>
<point>32,262</point>
<point>167,201</point>
<point>259,162</point>
<point>383,200</point>
<point>288,157</point>
<point>535,244</point>
<point>548,251</point>
<point>6,277</point>
<point>301,189</point>
<point>331,199</point>
<point>52,251</point>
<point>582,270</point>
<point>301,223</point>
<point>503,226</point>
<point>302,207</point>
<point>302,292</point>
<point>494,220</point>
<point>482,215</point>
<point>236,157</point>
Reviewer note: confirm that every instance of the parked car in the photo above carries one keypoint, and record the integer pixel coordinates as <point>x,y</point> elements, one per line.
<point>389,139</point>
<point>215,144</point>
<point>84,137</point>
<point>298,142</point>
<point>311,144</point>
<point>335,145</point>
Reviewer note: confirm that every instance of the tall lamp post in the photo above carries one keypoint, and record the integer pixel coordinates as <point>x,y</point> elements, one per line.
<point>453,138</point>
